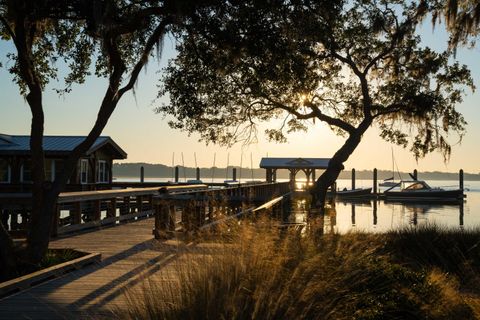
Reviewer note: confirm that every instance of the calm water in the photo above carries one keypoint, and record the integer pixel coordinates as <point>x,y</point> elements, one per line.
<point>379,216</point>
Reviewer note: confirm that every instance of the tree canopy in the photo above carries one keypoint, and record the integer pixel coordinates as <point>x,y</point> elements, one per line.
<point>112,38</point>
<point>335,61</point>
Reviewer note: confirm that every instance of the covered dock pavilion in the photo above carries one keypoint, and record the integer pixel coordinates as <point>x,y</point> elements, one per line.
<point>294,165</point>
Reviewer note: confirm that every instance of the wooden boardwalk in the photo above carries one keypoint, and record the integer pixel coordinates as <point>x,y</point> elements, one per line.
<point>129,253</point>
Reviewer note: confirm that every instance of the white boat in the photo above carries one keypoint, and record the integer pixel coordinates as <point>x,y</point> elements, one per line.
<point>420,190</point>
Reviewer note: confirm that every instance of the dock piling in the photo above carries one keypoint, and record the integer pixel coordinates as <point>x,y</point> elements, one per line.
<point>375,181</point>
<point>460,179</point>
<point>198,174</point>
<point>353,179</point>
<point>176,174</point>
<point>142,174</point>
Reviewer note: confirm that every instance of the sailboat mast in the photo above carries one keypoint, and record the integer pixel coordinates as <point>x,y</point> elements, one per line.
<point>226,169</point>
<point>251,165</point>
<point>173,166</point>
<point>213,168</point>
<point>241,163</point>
<point>183,165</point>
<point>393,166</point>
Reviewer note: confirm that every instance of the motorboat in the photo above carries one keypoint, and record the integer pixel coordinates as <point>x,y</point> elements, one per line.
<point>388,183</point>
<point>359,192</point>
<point>420,190</point>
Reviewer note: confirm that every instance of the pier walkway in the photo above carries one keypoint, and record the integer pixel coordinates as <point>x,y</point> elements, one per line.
<point>129,252</point>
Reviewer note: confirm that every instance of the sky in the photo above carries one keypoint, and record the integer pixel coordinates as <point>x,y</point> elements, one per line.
<point>146,137</point>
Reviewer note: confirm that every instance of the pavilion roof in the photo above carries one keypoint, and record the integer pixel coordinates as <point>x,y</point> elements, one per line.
<point>291,163</point>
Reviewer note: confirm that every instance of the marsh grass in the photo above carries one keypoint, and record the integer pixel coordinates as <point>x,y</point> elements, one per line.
<point>255,271</point>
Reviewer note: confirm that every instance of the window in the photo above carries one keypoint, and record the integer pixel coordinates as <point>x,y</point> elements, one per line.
<point>49,169</point>
<point>26,172</point>
<point>84,171</point>
<point>102,171</point>
<point>4,171</point>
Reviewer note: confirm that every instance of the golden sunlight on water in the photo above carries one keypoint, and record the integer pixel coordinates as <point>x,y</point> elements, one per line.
<point>380,216</point>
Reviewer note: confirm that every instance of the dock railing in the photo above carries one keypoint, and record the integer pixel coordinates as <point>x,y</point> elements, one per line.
<point>81,210</point>
<point>189,211</point>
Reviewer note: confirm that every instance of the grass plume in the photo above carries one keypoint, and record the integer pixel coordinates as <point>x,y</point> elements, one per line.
<point>256,271</point>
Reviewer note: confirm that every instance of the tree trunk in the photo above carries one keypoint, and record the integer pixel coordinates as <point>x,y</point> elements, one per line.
<point>335,165</point>
<point>41,226</point>
<point>8,262</point>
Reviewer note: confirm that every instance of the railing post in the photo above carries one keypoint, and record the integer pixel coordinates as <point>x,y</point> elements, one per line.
<point>112,208</point>
<point>139,204</point>
<point>125,209</point>
<point>77,213</point>
<point>97,210</point>
<point>4,217</point>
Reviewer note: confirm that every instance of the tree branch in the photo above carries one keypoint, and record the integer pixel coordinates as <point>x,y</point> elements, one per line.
<point>154,38</point>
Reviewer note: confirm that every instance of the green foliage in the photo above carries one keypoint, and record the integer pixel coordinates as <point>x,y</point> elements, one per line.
<point>341,63</point>
<point>74,34</point>
<point>57,256</point>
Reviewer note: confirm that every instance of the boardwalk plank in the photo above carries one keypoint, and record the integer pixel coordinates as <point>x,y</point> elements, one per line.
<point>128,252</point>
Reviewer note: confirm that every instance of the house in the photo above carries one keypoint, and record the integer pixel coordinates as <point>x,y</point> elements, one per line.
<point>93,169</point>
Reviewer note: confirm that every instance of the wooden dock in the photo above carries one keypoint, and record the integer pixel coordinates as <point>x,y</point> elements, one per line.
<point>129,253</point>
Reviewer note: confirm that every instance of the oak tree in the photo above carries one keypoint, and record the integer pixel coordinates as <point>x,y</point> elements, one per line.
<point>348,64</point>
<point>115,38</point>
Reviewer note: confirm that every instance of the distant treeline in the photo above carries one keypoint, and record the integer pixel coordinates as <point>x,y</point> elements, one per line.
<point>163,171</point>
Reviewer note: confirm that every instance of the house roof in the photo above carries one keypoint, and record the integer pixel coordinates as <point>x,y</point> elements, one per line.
<point>13,144</point>
<point>290,163</point>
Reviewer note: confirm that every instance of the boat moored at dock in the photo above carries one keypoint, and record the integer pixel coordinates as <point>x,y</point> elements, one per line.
<point>420,190</point>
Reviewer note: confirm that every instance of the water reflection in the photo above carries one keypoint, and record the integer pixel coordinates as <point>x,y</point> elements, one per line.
<point>380,216</point>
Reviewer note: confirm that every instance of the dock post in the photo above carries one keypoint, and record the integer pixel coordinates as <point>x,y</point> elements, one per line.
<point>460,179</point>
<point>234,174</point>
<point>161,220</point>
<point>375,181</point>
<point>415,174</point>
<point>353,179</point>
<point>176,174</point>
<point>198,173</point>
<point>97,210</point>
<point>4,217</point>
<point>139,204</point>
<point>112,208</point>
<point>269,175</point>
<point>76,213</point>
<point>142,174</point>
<point>55,222</point>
